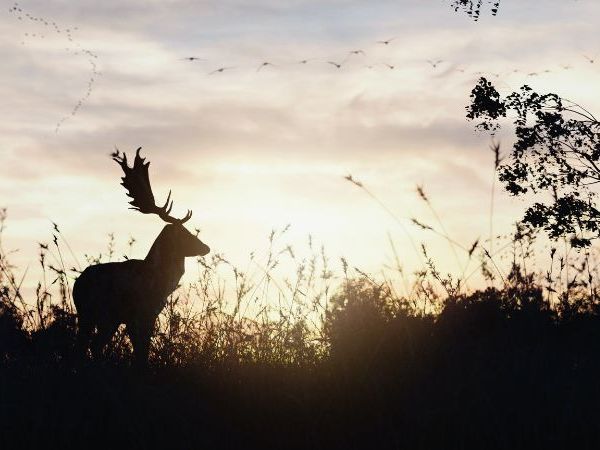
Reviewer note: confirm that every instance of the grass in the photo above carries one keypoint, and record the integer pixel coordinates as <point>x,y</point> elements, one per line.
<point>243,358</point>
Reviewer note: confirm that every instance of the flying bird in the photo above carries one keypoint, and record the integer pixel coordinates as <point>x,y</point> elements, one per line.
<point>591,60</point>
<point>435,63</point>
<point>334,64</point>
<point>387,41</point>
<point>192,58</point>
<point>353,52</point>
<point>265,64</point>
<point>220,70</point>
<point>389,66</point>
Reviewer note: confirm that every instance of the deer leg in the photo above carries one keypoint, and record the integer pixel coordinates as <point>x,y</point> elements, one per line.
<point>103,337</point>
<point>140,333</point>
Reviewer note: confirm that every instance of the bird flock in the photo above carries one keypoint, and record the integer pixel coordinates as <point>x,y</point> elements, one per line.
<point>444,67</point>
<point>47,27</point>
<point>330,61</point>
<point>356,55</point>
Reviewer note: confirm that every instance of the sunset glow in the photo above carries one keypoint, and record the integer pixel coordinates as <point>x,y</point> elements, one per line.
<point>250,150</point>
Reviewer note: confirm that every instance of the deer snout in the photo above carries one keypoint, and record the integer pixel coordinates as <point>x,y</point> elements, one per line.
<point>203,249</point>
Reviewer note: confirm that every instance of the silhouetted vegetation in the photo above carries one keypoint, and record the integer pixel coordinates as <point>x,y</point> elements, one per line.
<point>474,7</point>
<point>514,365</point>
<point>554,158</point>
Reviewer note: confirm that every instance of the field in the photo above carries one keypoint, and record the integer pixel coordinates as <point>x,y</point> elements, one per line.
<point>360,366</point>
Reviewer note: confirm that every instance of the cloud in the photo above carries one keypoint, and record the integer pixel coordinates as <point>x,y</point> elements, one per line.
<point>248,150</point>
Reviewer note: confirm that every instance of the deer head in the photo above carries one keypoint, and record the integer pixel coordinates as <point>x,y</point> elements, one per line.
<point>137,183</point>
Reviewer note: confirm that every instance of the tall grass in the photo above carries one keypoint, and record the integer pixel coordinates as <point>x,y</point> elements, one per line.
<point>317,357</point>
<point>256,314</point>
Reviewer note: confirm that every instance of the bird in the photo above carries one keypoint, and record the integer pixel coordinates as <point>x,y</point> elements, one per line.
<point>566,66</point>
<point>192,58</point>
<point>265,64</point>
<point>435,63</point>
<point>591,60</point>
<point>389,66</point>
<point>353,52</point>
<point>69,34</point>
<point>334,64</point>
<point>387,41</point>
<point>220,70</point>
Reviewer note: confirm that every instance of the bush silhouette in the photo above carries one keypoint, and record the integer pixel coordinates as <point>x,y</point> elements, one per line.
<point>556,153</point>
<point>502,367</point>
<point>13,338</point>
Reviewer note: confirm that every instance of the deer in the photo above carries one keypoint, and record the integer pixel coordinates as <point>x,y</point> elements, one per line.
<point>134,292</point>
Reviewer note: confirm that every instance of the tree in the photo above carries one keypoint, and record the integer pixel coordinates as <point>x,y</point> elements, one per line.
<point>555,158</point>
<point>473,7</point>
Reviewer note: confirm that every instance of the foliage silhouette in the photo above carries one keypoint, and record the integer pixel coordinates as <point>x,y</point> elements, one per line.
<point>497,368</point>
<point>473,7</point>
<point>134,292</point>
<point>555,157</point>
<point>12,339</point>
<point>504,367</point>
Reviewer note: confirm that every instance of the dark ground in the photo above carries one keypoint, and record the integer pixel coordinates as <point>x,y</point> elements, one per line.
<point>492,371</point>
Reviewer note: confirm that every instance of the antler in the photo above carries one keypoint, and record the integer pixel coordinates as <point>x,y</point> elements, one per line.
<point>137,183</point>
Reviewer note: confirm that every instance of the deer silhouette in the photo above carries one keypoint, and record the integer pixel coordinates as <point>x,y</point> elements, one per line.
<point>133,292</point>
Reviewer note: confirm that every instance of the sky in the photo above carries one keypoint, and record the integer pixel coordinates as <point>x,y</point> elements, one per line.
<point>256,148</point>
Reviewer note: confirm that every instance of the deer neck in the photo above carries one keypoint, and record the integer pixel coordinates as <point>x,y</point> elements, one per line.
<point>165,263</point>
